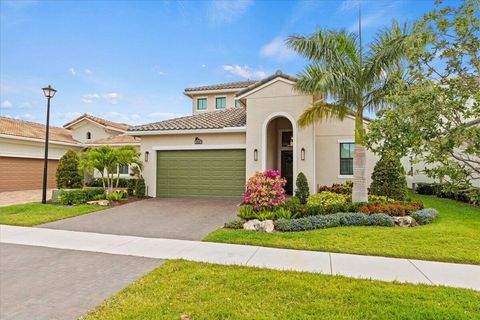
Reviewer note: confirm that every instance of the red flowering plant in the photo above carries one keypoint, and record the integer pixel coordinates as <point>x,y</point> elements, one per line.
<point>265,190</point>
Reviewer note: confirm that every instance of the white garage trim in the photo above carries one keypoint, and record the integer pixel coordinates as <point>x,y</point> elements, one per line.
<point>27,155</point>
<point>200,147</point>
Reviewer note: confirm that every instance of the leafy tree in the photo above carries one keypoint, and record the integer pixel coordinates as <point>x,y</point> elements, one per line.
<point>68,174</point>
<point>140,187</point>
<point>345,79</point>
<point>388,178</point>
<point>436,118</point>
<point>302,192</point>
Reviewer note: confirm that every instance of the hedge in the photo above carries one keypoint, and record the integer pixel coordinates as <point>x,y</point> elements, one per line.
<point>78,196</point>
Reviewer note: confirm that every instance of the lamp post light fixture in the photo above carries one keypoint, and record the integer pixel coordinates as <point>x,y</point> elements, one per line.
<point>49,92</point>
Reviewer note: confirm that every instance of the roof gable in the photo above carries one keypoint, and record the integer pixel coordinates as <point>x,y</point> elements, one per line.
<point>102,122</point>
<point>277,76</point>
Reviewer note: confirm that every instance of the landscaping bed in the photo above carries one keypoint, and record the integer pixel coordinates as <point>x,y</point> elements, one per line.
<point>191,290</point>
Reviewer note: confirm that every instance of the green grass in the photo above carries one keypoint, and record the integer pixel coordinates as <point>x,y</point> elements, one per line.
<point>31,214</point>
<point>453,237</point>
<point>206,291</point>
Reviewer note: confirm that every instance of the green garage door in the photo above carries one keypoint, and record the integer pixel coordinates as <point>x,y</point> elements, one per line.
<point>200,173</point>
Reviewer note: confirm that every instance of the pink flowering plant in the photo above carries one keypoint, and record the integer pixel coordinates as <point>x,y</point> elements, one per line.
<point>265,190</point>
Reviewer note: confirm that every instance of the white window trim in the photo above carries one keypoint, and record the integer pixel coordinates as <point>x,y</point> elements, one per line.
<point>196,104</point>
<point>200,147</point>
<point>216,102</point>
<point>345,176</point>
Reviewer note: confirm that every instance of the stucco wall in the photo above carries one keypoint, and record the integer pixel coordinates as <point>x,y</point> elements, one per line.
<point>278,100</point>
<point>328,136</point>
<point>79,131</point>
<point>31,149</point>
<point>186,140</point>
<point>211,101</point>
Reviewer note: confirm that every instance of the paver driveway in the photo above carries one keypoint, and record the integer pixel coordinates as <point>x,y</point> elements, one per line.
<point>171,218</point>
<point>45,283</point>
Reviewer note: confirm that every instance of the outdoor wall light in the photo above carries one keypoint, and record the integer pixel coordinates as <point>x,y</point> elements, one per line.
<point>255,155</point>
<point>302,154</point>
<point>146,156</point>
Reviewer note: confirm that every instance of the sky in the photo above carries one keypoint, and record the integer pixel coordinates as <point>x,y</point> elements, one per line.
<point>129,61</point>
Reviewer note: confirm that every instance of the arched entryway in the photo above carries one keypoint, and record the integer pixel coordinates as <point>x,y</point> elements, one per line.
<point>279,147</point>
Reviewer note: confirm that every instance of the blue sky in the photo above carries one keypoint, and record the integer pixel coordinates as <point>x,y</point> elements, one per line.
<point>129,61</point>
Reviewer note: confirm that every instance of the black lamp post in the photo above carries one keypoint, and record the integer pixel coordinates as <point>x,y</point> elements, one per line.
<point>49,92</point>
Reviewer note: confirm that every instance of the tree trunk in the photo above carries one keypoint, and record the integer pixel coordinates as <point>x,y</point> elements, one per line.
<point>360,191</point>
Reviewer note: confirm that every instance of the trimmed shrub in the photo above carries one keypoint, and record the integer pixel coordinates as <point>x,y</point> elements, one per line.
<point>68,174</point>
<point>353,219</point>
<point>247,213</point>
<point>374,199</point>
<point>425,216</point>
<point>78,196</point>
<point>323,222</point>
<point>131,185</point>
<point>380,219</point>
<point>345,188</point>
<point>388,178</point>
<point>300,224</point>
<point>265,190</point>
<point>392,209</point>
<point>140,188</point>
<point>448,191</point>
<point>326,199</point>
<point>296,207</point>
<point>302,192</point>
<point>234,224</point>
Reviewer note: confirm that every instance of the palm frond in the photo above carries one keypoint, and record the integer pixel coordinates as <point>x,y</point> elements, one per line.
<point>321,110</point>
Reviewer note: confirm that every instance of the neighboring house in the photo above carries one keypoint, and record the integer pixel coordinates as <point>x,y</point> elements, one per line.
<point>238,129</point>
<point>22,147</point>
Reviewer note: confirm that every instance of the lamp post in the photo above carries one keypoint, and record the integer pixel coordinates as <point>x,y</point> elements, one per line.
<point>49,92</point>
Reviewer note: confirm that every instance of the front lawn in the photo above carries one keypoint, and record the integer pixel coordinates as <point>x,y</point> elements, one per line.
<point>453,237</point>
<point>205,291</point>
<point>31,214</point>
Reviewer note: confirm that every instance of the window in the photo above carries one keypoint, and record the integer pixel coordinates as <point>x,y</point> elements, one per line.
<point>346,158</point>
<point>89,135</point>
<point>202,104</point>
<point>123,169</point>
<point>220,103</point>
<point>287,139</point>
<point>239,104</point>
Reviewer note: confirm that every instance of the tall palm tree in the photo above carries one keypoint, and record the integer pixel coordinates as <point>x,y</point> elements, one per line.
<point>127,155</point>
<point>343,79</point>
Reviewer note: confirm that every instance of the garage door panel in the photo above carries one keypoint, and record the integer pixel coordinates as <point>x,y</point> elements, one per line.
<point>201,173</point>
<point>25,174</point>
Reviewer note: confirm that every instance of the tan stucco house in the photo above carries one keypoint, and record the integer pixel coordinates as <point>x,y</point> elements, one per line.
<point>237,129</point>
<point>22,147</point>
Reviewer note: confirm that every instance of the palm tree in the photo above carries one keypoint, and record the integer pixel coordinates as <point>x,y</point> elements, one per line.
<point>127,155</point>
<point>345,80</point>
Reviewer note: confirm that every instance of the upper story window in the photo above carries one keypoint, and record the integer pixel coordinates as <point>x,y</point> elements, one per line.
<point>239,104</point>
<point>346,158</point>
<point>220,102</point>
<point>89,135</point>
<point>202,104</point>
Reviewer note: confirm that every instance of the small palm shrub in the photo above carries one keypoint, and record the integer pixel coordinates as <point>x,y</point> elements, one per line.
<point>265,190</point>
<point>99,197</point>
<point>388,178</point>
<point>68,173</point>
<point>116,195</point>
<point>265,215</point>
<point>284,213</point>
<point>247,213</point>
<point>302,192</point>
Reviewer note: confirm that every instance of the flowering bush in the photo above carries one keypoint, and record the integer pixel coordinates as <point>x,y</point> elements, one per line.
<point>345,188</point>
<point>392,209</point>
<point>265,190</point>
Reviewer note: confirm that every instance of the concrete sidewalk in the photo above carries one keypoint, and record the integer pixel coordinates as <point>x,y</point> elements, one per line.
<point>356,266</point>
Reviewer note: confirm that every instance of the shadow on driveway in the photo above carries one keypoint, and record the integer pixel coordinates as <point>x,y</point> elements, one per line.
<point>171,218</point>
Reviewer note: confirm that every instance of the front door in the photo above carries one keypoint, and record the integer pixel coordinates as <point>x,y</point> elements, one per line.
<point>287,169</point>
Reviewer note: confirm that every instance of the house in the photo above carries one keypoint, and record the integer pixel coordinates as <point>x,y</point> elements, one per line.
<point>22,146</point>
<point>237,129</point>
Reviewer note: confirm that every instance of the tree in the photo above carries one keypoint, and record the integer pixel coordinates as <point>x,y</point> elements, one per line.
<point>106,160</point>
<point>68,174</point>
<point>388,178</point>
<point>302,192</point>
<point>436,114</point>
<point>344,79</point>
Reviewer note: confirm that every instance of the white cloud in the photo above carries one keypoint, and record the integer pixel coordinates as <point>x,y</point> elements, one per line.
<point>374,19</point>
<point>25,116</point>
<point>278,50</point>
<point>227,11</point>
<point>348,5</point>
<point>65,115</point>
<point>158,70</point>
<point>244,72</point>
<point>159,116</point>
<point>6,104</point>
<point>111,98</point>
<point>87,71</point>
<point>72,71</point>
<point>204,65</point>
